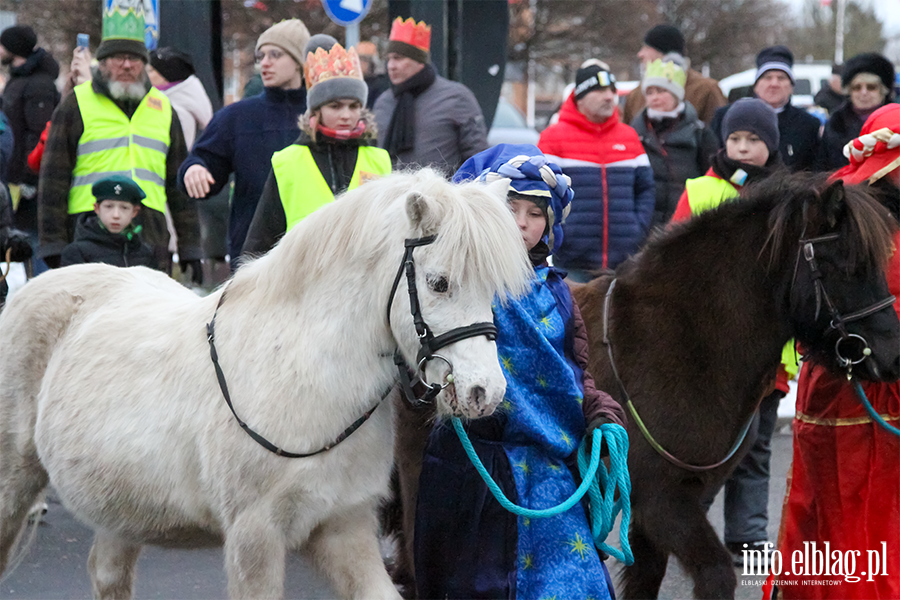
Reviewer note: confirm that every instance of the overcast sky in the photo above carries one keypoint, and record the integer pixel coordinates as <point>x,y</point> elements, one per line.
<point>888,12</point>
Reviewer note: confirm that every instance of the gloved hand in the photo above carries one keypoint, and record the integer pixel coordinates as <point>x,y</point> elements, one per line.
<point>589,436</point>
<point>53,261</point>
<point>17,241</point>
<point>196,270</point>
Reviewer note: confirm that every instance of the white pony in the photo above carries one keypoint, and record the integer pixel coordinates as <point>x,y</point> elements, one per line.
<point>107,389</point>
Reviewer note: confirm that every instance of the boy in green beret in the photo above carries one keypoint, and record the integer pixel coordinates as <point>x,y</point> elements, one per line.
<point>109,236</point>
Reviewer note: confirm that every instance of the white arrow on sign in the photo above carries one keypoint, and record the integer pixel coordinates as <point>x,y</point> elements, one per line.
<point>352,5</point>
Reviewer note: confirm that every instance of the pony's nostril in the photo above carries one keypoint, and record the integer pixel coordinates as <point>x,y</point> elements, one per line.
<point>478,395</point>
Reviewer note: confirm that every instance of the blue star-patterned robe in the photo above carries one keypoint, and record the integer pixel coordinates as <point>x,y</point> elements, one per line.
<point>528,446</point>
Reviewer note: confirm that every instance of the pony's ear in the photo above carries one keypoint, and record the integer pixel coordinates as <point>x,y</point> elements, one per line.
<point>833,202</point>
<point>419,211</point>
<point>499,188</point>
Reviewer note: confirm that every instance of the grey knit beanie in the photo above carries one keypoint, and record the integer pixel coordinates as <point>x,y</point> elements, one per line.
<point>290,35</point>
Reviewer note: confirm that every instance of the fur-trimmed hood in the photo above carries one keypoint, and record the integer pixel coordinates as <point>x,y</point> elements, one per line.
<point>370,133</point>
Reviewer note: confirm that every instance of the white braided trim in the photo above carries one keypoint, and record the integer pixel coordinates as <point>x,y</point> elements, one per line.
<point>868,141</point>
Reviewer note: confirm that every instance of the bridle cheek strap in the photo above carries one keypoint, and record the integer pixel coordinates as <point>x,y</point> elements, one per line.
<point>429,344</point>
<point>838,321</point>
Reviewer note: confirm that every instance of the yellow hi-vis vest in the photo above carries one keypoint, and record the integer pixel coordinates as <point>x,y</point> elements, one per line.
<point>707,192</point>
<point>114,145</point>
<point>301,186</point>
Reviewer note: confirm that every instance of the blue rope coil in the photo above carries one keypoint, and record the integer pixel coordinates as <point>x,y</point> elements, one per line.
<point>604,506</point>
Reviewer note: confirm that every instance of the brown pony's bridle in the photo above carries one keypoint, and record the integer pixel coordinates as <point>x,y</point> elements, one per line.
<point>838,321</point>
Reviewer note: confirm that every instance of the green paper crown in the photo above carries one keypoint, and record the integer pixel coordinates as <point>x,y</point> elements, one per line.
<point>123,20</point>
<point>666,70</point>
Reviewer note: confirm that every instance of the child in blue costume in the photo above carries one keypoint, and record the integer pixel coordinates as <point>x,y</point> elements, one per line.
<point>466,544</point>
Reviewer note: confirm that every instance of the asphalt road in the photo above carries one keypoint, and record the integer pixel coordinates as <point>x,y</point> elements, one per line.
<point>54,568</point>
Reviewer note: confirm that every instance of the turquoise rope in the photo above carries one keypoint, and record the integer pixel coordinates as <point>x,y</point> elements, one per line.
<point>871,410</point>
<point>603,509</point>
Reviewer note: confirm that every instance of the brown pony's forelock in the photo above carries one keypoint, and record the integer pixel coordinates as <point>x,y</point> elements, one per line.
<point>865,232</point>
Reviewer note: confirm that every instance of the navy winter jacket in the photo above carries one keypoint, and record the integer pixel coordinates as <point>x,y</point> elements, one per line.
<point>613,184</point>
<point>241,139</point>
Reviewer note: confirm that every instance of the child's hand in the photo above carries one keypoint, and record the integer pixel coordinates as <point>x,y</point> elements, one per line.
<point>81,66</point>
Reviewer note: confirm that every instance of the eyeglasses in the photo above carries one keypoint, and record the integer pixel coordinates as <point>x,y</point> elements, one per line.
<point>872,87</point>
<point>273,54</point>
<point>120,59</point>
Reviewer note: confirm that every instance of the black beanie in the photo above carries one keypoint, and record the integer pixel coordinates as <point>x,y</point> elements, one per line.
<point>19,40</point>
<point>775,58</point>
<point>590,78</point>
<point>665,38</point>
<point>172,64</point>
<point>755,116</point>
<point>320,40</point>
<point>869,62</point>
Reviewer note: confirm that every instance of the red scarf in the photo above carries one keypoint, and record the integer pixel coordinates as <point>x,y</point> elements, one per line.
<point>338,134</point>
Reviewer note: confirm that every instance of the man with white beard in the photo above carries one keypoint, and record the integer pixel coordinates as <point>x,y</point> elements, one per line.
<point>117,124</point>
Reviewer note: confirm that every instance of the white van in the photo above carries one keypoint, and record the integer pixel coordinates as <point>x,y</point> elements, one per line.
<point>809,78</point>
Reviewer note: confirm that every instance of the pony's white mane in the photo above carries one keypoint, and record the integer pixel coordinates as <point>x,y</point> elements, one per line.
<point>476,234</point>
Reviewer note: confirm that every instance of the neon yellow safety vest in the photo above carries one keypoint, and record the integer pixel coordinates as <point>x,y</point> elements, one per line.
<point>707,192</point>
<point>301,186</point>
<point>114,145</point>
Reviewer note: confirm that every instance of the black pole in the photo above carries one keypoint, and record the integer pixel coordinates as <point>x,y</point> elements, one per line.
<point>195,27</point>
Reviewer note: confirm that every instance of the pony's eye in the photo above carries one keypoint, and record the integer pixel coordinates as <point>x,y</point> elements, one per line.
<point>437,283</point>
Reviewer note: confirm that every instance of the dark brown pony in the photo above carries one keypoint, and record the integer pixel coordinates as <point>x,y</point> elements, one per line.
<point>697,321</point>
<point>696,325</point>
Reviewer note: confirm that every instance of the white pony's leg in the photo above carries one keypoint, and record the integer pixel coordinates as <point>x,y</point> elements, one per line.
<point>21,481</point>
<point>345,548</point>
<point>111,566</point>
<point>255,549</point>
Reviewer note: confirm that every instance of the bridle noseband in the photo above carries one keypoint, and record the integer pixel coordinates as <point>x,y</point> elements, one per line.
<point>838,321</point>
<point>429,344</point>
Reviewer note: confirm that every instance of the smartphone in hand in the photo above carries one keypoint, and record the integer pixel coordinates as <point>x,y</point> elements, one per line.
<point>83,40</point>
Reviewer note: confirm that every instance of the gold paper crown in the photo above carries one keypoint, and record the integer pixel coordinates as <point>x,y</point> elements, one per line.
<point>337,62</point>
<point>412,33</point>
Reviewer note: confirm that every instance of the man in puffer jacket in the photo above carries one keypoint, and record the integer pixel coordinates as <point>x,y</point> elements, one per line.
<point>610,173</point>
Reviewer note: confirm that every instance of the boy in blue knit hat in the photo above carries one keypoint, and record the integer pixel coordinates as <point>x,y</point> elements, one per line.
<point>529,444</point>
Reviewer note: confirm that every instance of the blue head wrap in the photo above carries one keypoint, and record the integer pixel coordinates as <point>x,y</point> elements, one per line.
<point>530,174</point>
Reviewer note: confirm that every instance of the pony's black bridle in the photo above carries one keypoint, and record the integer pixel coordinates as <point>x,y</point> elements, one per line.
<point>429,344</point>
<point>838,321</point>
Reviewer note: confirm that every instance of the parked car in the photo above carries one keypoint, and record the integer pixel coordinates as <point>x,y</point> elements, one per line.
<point>809,78</point>
<point>509,126</point>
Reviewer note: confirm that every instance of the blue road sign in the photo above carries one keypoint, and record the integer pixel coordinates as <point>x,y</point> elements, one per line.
<point>151,24</point>
<point>346,12</point>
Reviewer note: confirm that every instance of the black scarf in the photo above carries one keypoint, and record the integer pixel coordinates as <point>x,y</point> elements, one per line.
<point>725,167</point>
<point>401,135</point>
